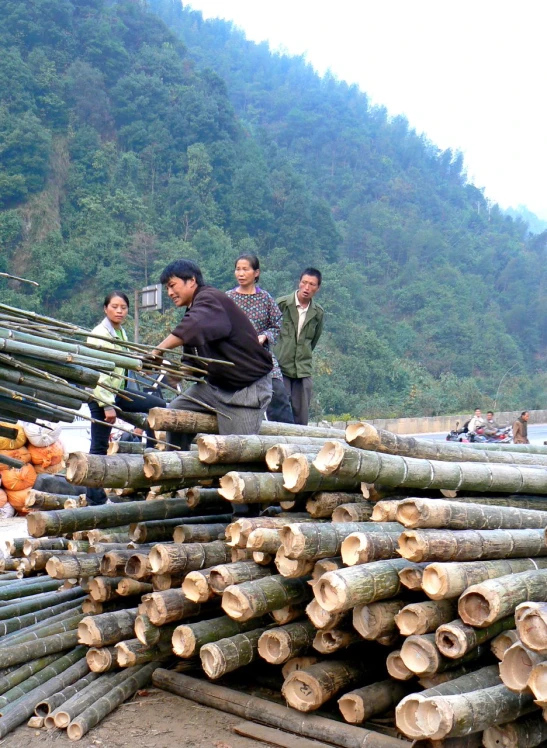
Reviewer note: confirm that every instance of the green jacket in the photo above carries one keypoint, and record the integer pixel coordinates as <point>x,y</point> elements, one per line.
<point>295,356</point>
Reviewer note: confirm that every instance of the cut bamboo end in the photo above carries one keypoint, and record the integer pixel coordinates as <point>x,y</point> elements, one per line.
<point>184,641</point>
<point>354,549</point>
<point>274,458</point>
<point>385,511</point>
<point>235,604</point>
<point>352,708</point>
<point>293,568</point>
<point>517,665</point>
<point>330,593</point>
<point>159,559</point>
<point>411,578</point>
<point>76,468</point>
<point>152,467</point>
<point>287,614</point>
<point>537,681</point>
<point>275,646</point>
<point>195,587</point>
<point>409,514</point>
<point>331,640</point>
<point>434,581</point>
<point>476,608</point>
<point>208,449</point>
<point>232,487</point>
<point>405,715</point>
<point>61,720</point>
<point>409,621</point>
<point>329,457</point>
<point>321,618</point>
<point>75,731</point>
<point>126,656</point>
<point>138,566</point>
<point>363,435</point>
<point>302,691</point>
<point>434,718</point>
<point>532,626</point>
<point>451,641</point>
<point>396,667</point>
<point>88,633</point>
<point>411,546</point>
<point>501,643</point>
<point>100,659</point>
<point>262,559</point>
<point>264,540</point>
<point>296,470</point>
<point>298,663</point>
<point>420,655</point>
<point>213,661</point>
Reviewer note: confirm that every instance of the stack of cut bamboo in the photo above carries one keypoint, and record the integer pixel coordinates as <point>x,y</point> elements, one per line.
<point>364,584</point>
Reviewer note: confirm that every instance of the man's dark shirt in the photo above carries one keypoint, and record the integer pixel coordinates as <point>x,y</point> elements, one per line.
<point>215,327</point>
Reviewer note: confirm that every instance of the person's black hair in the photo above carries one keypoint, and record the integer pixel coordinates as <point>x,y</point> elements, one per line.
<point>253,261</point>
<point>314,272</point>
<point>524,413</point>
<point>490,413</point>
<point>113,295</point>
<point>477,408</point>
<point>183,269</point>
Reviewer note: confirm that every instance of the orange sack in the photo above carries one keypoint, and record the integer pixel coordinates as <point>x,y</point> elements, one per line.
<point>46,456</point>
<point>17,454</point>
<point>17,479</point>
<point>52,469</point>
<point>17,500</point>
<point>19,441</point>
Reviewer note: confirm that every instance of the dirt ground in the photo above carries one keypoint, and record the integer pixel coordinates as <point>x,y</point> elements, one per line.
<point>157,720</point>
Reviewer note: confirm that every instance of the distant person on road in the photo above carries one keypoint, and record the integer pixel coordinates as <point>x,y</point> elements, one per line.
<point>520,428</point>
<point>492,426</point>
<point>476,422</point>
<point>300,332</point>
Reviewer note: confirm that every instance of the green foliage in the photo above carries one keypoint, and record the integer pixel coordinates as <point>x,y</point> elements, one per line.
<point>125,144</point>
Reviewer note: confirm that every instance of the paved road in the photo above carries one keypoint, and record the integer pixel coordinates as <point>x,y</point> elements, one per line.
<point>536,433</point>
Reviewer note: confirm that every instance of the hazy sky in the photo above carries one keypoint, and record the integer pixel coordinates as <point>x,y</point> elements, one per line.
<point>470,74</point>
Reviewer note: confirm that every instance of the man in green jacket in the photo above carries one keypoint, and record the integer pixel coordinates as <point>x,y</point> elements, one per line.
<point>300,331</point>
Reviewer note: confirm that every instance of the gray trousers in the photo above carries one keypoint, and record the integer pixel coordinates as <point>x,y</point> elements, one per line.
<point>239,412</point>
<point>299,391</point>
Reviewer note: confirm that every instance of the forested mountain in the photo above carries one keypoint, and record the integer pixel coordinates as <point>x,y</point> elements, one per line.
<point>124,144</point>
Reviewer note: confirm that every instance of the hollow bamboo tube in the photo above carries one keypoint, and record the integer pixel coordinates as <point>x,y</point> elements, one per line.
<point>306,690</point>
<point>183,421</point>
<point>362,547</point>
<point>162,582</point>
<point>377,620</point>
<point>251,448</point>
<point>102,659</point>
<point>353,512</point>
<point>138,566</point>
<point>323,503</point>
<point>189,638</point>
<point>112,471</point>
<point>15,547</point>
<point>45,707</point>
<point>453,515</point>
<point>311,540</point>
<point>517,665</point>
<point>200,497</point>
<point>165,467</point>
<point>288,614</point>
<point>105,516</point>
<point>169,606</point>
<point>471,545</point>
<point>196,586</point>
<point>359,585</point>
<point>184,557</point>
<point>226,655</point>
<point>107,628</point>
<point>277,645</point>
<point>260,558</point>
<point>484,603</point>
<point>365,436</point>
<point>48,628</point>
<point>411,578</point>
<point>254,488</point>
<point>67,670</point>
<point>44,544</point>
<point>45,501</point>
<point>331,640</point>
<point>396,667</point>
<point>86,720</point>
<point>253,599</point>
<point>321,619</point>
<point>157,531</point>
<point>80,546</point>
<point>199,533</point>
<point>445,580</point>
<point>363,703</point>
<point>301,474</point>
<point>104,588</point>
<point>276,455</point>
<point>118,534</point>
<point>62,716</point>
<point>452,716</point>
<point>322,565</point>
<point>532,625</point>
<point>409,472</point>
<point>501,643</point>
<point>224,575</point>
<point>292,568</point>
<point>537,677</point>
<point>385,510</point>
<point>405,712</point>
<point>237,533</point>
<point>265,540</point>
<point>132,652</point>
<point>525,732</point>
<point>276,715</point>
<point>456,638</point>
<point>422,618</point>
<point>421,655</point>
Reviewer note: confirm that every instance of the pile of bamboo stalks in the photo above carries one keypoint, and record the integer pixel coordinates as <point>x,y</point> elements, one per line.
<point>389,575</point>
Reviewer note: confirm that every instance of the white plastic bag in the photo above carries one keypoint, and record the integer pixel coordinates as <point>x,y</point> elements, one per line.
<point>42,436</point>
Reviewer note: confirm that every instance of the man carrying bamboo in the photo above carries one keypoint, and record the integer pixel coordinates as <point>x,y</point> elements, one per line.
<point>214,327</point>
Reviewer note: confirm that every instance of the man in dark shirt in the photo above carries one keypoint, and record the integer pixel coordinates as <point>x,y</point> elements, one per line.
<point>215,327</point>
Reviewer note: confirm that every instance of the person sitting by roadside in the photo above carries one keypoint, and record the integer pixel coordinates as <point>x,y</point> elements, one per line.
<point>491,426</point>
<point>476,422</point>
<point>520,428</point>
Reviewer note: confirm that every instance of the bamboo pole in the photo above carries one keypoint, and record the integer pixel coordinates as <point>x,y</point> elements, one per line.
<point>36,603</point>
<point>249,448</point>
<point>254,599</point>
<point>444,580</point>
<point>517,665</point>
<point>409,472</point>
<point>162,582</point>
<point>292,568</point>
<point>132,652</point>
<point>452,515</point>
<point>422,618</point>
<point>107,535</point>
<point>17,675</point>
<point>237,533</point>
<point>321,619</point>
<point>487,602</point>
<point>26,587</point>
<point>421,655</point>
<point>298,663</point>
<point>377,620</point>
<point>471,545</point>
<point>104,588</point>
<point>66,623</point>
<point>29,620</point>
<point>48,705</point>
<point>278,645</point>
<point>254,488</point>
<point>361,512</point>
<point>452,716</point>
<point>456,638</point>
<point>169,606</point>
<point>363,547</point>
<point>266,712</point>
<point>204,498</point>
<point>189,638</point>
<point>385,510</point>
<point>226,655</point>
<point>44,544</point>
<point>72,567</point>
<point>199,533</point>
<point>105,516</point>
<point>405,712</point>
<point>300,474</point>
<point>102,659</point>
<point>360,705</point>
<point>525,732</point>
<point>323,503</point>
<point>311,540</point>
<point>108,628</point>
<point>323,565</point>
<point>276,456</point>
<point>307,690</point>
<point>20,653</point>
<point>188,422</point>
<point>224,575</point>
<point>184,557</point>
<point>532,625</point>
<point>265,540</point>
<point>175,466</point>
<point>359,585</point>
<point>331,640</point>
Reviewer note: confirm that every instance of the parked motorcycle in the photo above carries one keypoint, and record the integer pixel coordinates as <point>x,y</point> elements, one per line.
<point>458,435</point>
<point>502,436</point>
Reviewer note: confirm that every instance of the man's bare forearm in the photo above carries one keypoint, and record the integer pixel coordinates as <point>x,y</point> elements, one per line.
<point>170,342</point>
